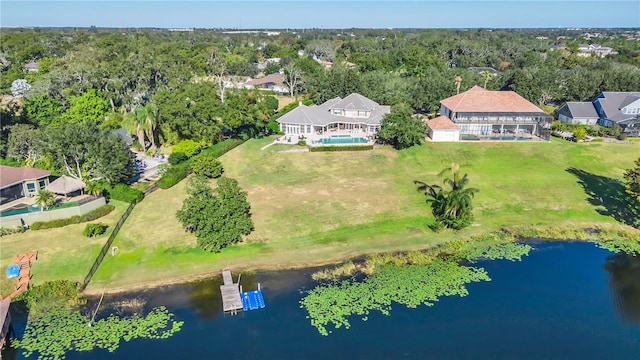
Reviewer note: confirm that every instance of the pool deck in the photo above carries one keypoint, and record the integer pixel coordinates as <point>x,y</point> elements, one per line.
<point>315,139</point>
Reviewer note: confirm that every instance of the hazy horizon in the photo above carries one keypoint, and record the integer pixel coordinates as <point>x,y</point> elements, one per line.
<point>306,14</point>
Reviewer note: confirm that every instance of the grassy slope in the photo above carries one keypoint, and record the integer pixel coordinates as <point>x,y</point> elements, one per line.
<point>63,253</point>
<point>322,207</point>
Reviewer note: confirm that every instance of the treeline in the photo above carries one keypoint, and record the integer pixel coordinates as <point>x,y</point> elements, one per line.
<point>166,86</point>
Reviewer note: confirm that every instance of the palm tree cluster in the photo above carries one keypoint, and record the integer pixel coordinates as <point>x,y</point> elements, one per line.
<point>452,208</point>
<point>142,120</point>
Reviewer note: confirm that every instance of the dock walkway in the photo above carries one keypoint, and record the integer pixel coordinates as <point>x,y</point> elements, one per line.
<point>231,301</point>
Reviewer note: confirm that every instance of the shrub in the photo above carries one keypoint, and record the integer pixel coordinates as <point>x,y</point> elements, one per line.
<point>124,193</point>
<point>9,231</point>
<point>92,230</point>
<point>90,216</point>
<point>173,176</point>
<point>274,127</point>
<point>176,158</point>
<point>302,143</point>
<point>341,148</point>
<point>51,292</point>
<point>189,148</point>
<point>207,165</point>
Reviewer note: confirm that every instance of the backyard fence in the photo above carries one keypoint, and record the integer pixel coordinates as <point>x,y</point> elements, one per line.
<point>107,246</point>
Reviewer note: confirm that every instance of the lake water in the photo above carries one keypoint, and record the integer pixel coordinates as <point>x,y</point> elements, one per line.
<point>558,303</point>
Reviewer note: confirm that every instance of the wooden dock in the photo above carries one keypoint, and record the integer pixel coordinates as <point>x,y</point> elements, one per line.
<point>230,291</point>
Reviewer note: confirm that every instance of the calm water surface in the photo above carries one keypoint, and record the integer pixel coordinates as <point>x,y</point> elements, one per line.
<point>563,301</point>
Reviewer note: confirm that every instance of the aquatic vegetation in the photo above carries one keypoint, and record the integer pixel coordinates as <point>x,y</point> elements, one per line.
<point>618,246</point>
<point>510,251</point>
<point>409,285</point>
<point>410,279</point>
<point>53,334</point>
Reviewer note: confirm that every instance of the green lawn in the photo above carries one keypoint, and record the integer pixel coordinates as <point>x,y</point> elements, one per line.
<point>63,253</point>
<point>325,207</point>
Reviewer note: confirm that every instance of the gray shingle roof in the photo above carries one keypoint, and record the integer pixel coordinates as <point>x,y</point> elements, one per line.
<point>356,101</point>
<point>321,116</point>
<point>611,102</point>
<point>582,110</point>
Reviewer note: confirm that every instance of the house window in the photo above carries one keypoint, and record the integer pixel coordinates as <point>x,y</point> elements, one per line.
<point>42,184</point>
<point>31,187</point>
<point>337,111</point>
<point>362,113</point>
<point>308,128</point>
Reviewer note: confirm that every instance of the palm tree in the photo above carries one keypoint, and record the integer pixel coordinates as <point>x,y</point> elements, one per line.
<point>93,188</point>
<point>451,208</point>
<point>486,76</point>
<point>458,80</point>
<point>44,199</point>
<point>135,122</point>
<point>152,114</point>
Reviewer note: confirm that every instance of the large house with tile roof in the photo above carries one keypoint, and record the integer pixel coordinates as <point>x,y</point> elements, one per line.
<point>609,108</point>
<point>353,114</point>
<point>496,115</point>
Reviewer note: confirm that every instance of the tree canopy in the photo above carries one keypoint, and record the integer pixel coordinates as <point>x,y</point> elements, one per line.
<point>218,217</point>
<point>401,129</point>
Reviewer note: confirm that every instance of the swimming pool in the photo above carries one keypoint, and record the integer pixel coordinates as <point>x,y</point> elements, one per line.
<point>342,139</point>
<point>19,209</point>
<point>516,138</point>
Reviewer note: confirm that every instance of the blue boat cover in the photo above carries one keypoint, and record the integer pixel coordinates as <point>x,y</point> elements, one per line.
<point>13,271</point>
<point>252,300</point>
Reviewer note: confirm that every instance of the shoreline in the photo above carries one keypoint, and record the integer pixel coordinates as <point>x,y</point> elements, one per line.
<point>594,234</point>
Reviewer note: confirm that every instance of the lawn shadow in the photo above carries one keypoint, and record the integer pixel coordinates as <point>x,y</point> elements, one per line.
<point>608,195</point>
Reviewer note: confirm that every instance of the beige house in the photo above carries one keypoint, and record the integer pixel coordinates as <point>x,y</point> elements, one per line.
<point>18,182</point>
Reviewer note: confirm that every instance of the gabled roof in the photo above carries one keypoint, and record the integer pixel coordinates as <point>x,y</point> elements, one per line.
<point>582,110</point>
<point>10,175</point>
<point>356,101</point>
<point>442,123</point>
<point>321,115</point>
<point>478,99</point>
<point>611,103</point>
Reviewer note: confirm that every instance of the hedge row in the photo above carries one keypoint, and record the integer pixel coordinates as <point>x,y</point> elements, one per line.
<point>173,176</point>
<point>178,172</point>
<point>90,216</point>
<point>341,148</point>
<point>124,193</point>
<point>223,147</point>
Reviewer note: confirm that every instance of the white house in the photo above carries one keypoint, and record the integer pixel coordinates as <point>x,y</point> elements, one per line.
<point>353,114</point>
<point>441,128</point>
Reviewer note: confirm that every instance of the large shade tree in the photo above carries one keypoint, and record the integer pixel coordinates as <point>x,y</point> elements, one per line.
<point>88,153</point>
<point>217,217</point>
<point>401,129</point>
<point>451,207</point>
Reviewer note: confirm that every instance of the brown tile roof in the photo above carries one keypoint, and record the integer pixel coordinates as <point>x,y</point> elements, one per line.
<point>271,78</point>
<point>442,123</point>
<point>10,175</point>
<point>478,99</point>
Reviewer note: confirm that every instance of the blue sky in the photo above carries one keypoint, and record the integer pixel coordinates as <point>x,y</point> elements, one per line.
<point>322,14</point>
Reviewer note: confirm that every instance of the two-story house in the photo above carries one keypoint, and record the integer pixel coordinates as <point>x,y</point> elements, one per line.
<point>607,109</point>
<point>496,115</point>
<point>354,113</point>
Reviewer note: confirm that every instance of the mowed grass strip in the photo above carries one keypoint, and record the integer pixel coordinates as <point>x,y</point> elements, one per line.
<point>63,253</point>
<point>325,207</point>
